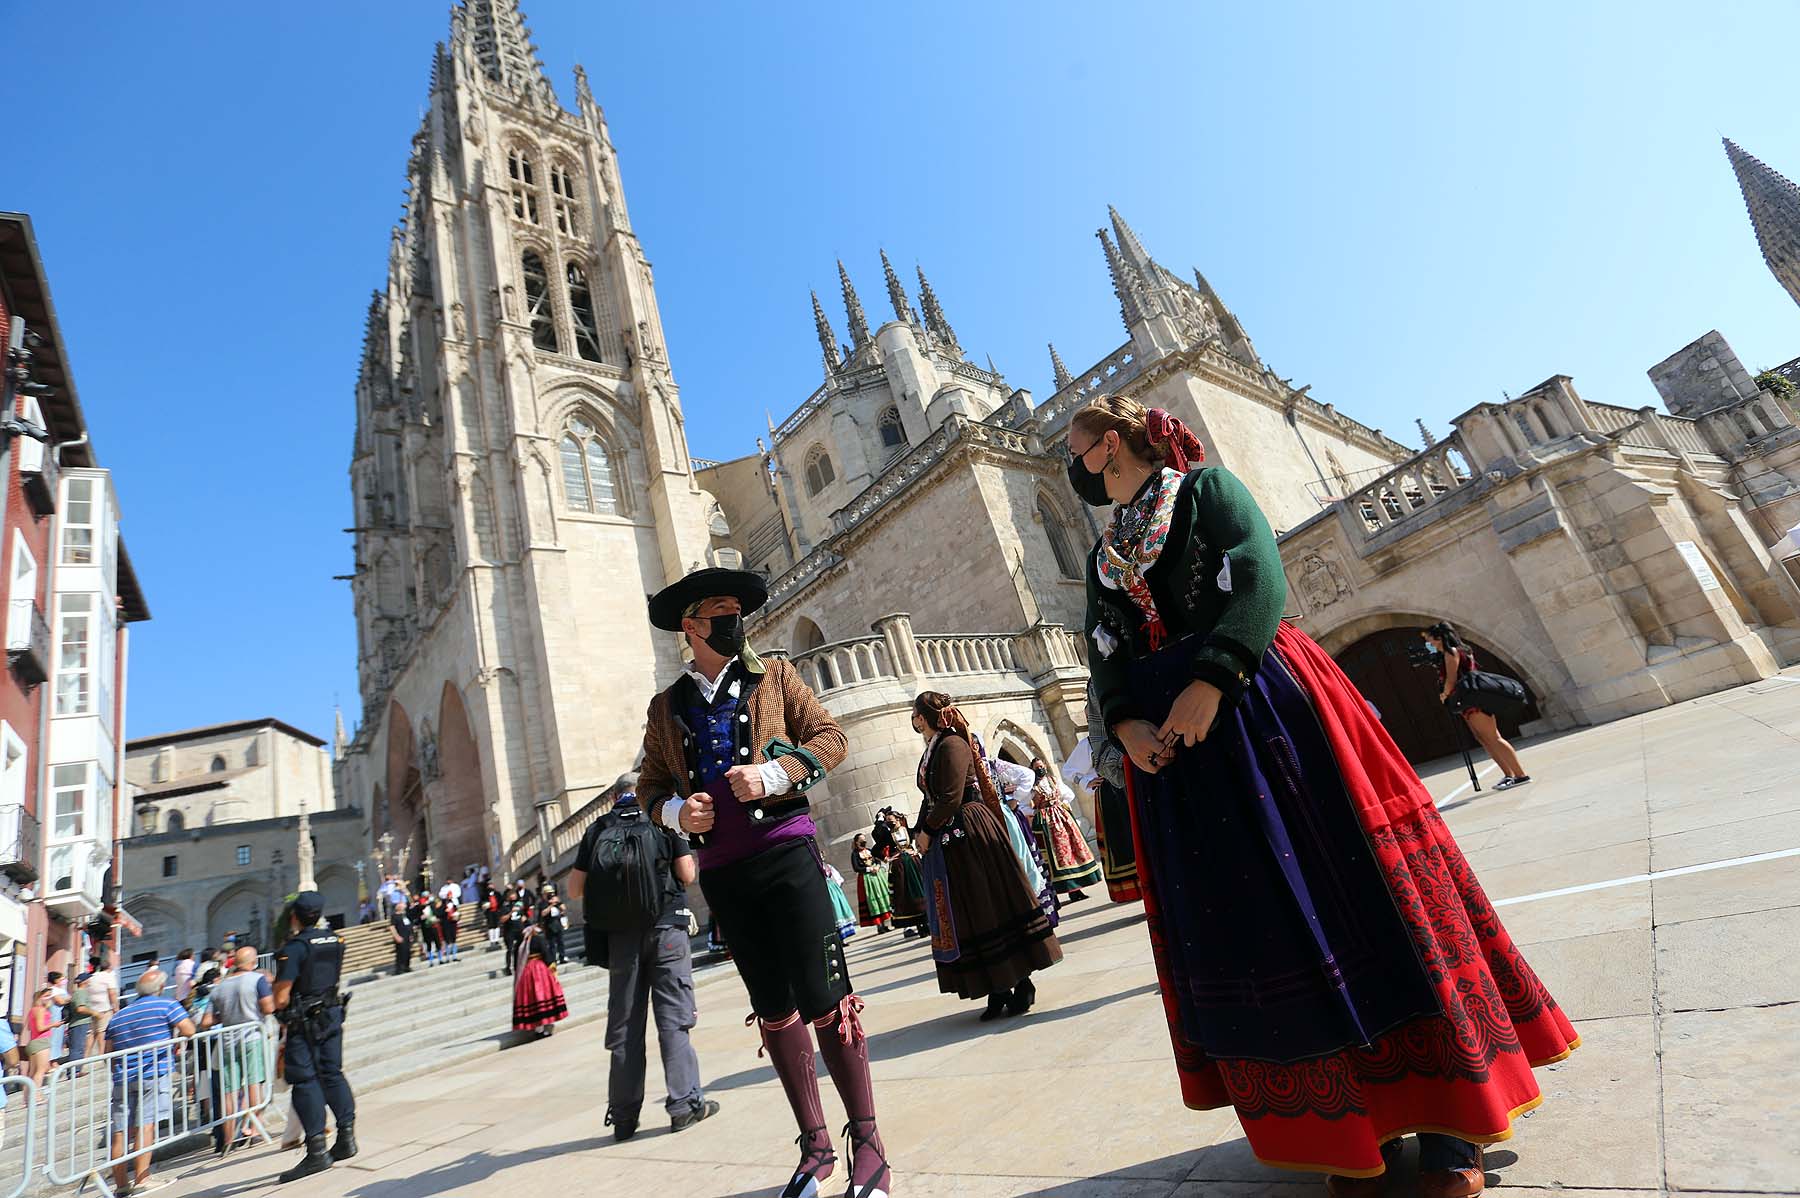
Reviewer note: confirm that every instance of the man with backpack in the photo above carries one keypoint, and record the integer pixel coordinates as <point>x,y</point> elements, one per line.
<point>631,878</point>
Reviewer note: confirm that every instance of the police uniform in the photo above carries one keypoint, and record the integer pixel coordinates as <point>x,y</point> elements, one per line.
<point>314,1017</point>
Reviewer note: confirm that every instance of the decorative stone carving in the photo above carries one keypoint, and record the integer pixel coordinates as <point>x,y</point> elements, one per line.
<point>1322,581</point>
<point>459,325</point>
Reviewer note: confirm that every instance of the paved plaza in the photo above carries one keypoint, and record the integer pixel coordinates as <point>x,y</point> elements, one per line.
<point>1652,874</point>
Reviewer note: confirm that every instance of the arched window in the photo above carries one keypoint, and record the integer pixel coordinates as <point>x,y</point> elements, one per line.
<point>562,197</point>
<point>537,303</point>
<point>581,307</point>
<point>522,178</point>
<point>893,435</point>
<point>1068,562</point>
<point>819,472</point>
<point>176,823</point>
<point>587,469</point>
<point>218,765</point>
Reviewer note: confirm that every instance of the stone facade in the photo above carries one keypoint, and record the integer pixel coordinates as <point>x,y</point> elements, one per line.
<point>1614,557</point>
<point>227,773</point>
<point>520,473</point>
<point>195,885</point>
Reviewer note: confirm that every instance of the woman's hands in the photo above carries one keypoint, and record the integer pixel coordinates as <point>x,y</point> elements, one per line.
<point>922,841</point>
<point>1141,744</point>
<point>1191,718</point>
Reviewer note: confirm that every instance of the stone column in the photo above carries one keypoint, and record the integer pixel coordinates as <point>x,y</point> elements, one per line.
<point>903,651</point>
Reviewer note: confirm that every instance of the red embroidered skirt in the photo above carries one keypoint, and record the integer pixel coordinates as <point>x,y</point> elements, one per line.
<point>537,996</point>
<point>1452,1054</point>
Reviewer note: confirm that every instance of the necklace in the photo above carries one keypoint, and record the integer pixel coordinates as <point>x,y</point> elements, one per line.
<point>1132,521</point>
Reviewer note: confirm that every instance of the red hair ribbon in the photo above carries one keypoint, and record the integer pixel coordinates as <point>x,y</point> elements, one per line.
<point>1185,449</point>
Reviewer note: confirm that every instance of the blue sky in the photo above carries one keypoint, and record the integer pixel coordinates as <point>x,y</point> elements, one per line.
<point>1410,208</point>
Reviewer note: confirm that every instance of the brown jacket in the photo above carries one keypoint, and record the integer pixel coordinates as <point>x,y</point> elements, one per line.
<point>780,705</point>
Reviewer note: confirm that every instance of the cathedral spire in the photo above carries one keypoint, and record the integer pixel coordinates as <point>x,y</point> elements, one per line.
<point>903,309</point>
<point>1774,204</point>
<point>1063,377</point>
<point>340,740</point>
<point>502,44</point>
<point>827,340</point>
<point>936,323</point>
<point>853,309</point>
<point>1125,281</point>
<point>1425,433</point>
<point>1129,245</point>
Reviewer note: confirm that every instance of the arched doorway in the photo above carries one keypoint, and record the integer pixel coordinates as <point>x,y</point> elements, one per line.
<point>406,798</point>
<point>459,804</point>
<point>1390,671</point>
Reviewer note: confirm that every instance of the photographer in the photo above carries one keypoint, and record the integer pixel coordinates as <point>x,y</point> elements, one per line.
<point>1456,667</point>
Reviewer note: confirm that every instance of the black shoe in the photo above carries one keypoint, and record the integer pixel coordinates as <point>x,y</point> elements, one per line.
<point>1023,996</point>
<point>706,1108</point>
<point>345,1145</point>
<point>623,1127</point>
<point>996,1005</point>
<point>316,1160</point>
<point>1077,896</point>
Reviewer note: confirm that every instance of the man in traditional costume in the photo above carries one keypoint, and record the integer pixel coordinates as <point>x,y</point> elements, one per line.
<point>729,752</point>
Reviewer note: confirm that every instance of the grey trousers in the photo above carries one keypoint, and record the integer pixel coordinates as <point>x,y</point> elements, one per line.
<point>650,971</point>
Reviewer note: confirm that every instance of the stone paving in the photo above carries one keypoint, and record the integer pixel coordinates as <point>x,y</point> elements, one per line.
<point>1686,989</point>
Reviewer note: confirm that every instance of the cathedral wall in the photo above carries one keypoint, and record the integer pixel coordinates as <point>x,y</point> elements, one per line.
<point>1255,442</point>
<point>601,658</point>
<point>742,488</point>
<point>1057,586</point>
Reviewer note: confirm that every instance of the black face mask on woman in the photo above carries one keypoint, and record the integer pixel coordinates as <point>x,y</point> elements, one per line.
<point>1089,486</point>
<point>727,635</point>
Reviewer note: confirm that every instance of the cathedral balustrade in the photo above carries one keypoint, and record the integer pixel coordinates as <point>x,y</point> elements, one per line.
<point>1413,486</point>
<point>845,663</point>
<point>800,416</point>
<point>950,654</point>
<point>1105,376</point>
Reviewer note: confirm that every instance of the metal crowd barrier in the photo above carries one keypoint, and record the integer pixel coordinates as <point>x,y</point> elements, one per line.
<point>155,1095</point>
<point>131,972</point>
<point>18,1125</point>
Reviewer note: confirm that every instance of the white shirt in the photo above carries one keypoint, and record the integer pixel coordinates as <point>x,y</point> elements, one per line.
<point>450,892</point>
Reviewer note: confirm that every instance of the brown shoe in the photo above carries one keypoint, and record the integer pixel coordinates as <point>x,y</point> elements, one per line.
<point>1454,1183</point>
<point>1356,1187</point>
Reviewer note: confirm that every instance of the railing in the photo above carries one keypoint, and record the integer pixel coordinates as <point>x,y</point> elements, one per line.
<point>799,417</point>
<point>526,849</point>
<point>19,1100</point>
<point>951,654</point>
<point>1108,374</point>
<point>566,836</point>
<point>20,843</point>
<point>103,1112</point>
<point>28,641</point>
<point>845,663</point>
<point>1413,486</point>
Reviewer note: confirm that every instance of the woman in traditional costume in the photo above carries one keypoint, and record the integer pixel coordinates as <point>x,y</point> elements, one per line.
<point>840,906</point>
<point>906,884</point>
<point>873,902</point>
<point>1329,964</point>
<point>987,932</point>
<point>1066,850</point>
<point>1102,774</point>
<point>538,1003</point>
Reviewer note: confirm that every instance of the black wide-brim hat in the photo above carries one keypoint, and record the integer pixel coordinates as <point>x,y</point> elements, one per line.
<point>668,604</point>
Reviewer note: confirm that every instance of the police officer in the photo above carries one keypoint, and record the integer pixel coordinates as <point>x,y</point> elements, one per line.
<point>311,1009</point>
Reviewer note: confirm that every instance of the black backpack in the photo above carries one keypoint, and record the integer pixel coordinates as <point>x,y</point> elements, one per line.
<point>624,888</point>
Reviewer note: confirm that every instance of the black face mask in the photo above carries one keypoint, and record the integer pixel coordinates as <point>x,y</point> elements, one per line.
<point>1089,486</point>
<point>727,635</point>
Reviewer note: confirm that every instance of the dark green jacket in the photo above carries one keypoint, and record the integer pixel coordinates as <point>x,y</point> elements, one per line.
<point>1231,614</point>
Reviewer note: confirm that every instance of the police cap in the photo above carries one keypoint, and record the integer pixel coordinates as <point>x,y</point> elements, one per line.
<point>309,904</point>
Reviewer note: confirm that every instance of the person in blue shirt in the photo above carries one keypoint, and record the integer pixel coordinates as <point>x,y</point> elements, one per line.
<point>140,1080</point>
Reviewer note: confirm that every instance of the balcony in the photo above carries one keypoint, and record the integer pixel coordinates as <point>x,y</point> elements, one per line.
<point>28,642</point>
<point>19,844</point>
<point>37,475</point>
<point>74,881</point>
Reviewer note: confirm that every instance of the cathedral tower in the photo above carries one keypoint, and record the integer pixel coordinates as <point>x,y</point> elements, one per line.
<point>520,474</point>
<point>1774,204</point>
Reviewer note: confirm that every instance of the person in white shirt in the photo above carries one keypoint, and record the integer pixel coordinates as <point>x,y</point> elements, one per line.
<point>102,995</point>
<point>184,974</point>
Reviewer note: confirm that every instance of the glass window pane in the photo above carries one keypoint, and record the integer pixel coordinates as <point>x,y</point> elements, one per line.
<point>574,480</point>
<point>600,473</point>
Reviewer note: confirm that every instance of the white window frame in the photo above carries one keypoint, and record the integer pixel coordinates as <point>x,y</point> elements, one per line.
<point>82,810</point>
<point>18,626</point>
<point>66,551</point>
<point>243,856</point>
<point>15,767</point>
<point>82,698</point>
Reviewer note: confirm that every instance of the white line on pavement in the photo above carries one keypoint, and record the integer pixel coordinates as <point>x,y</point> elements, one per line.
<point>1783,678</point>
<point>1651,877</point>
<point>1485,771</point>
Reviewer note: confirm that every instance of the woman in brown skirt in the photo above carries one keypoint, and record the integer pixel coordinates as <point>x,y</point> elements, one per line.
<point>987,931</point>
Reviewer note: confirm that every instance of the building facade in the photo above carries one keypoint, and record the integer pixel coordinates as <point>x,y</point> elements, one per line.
<point>69,594</point>
<point>520,469</point>
<point>522,482</point>
<point>219,817</point>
